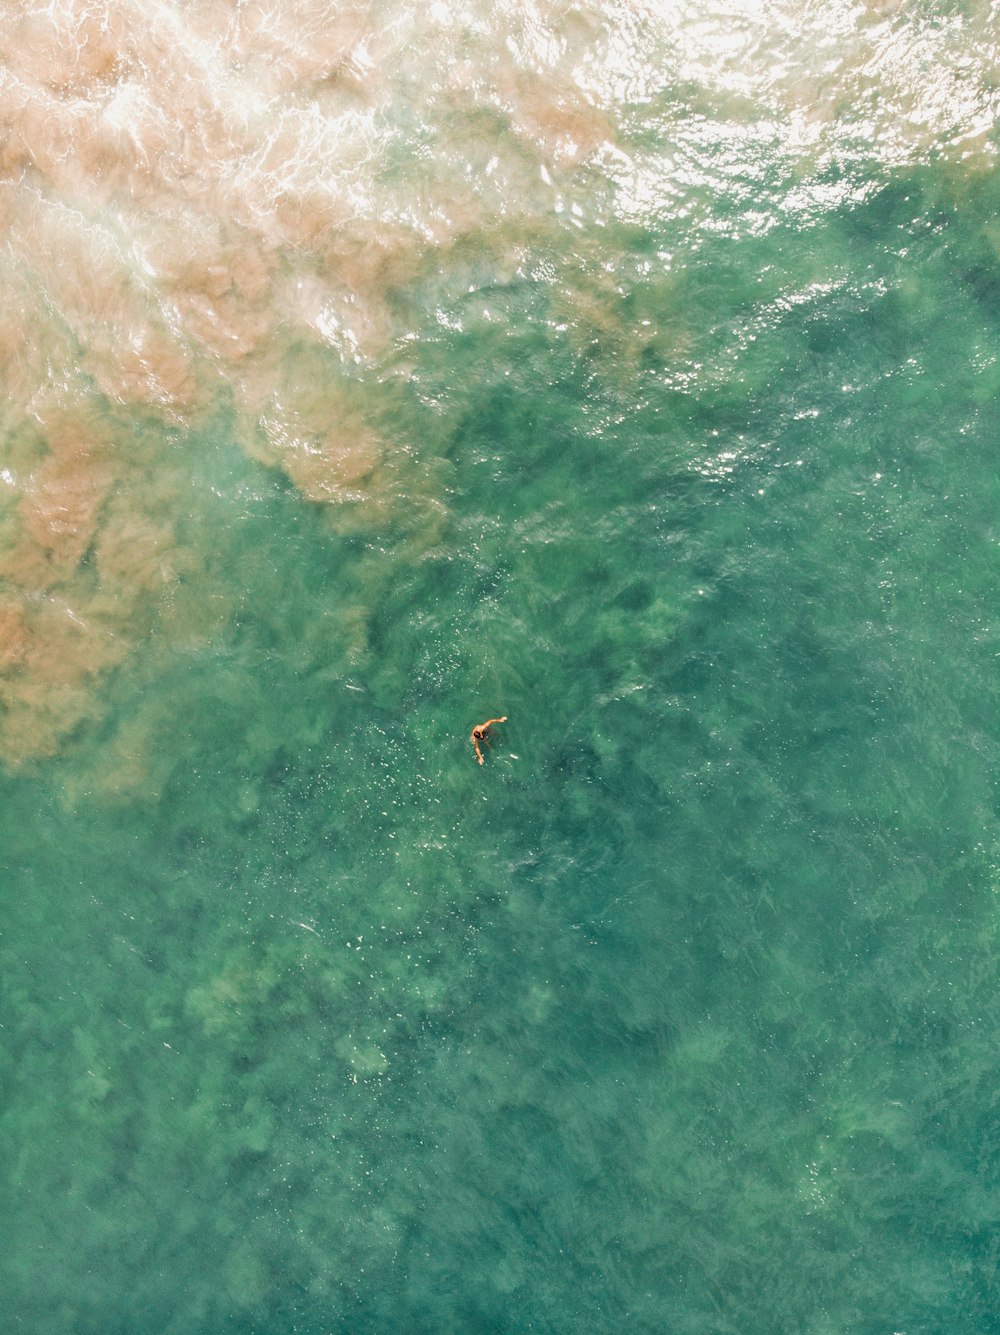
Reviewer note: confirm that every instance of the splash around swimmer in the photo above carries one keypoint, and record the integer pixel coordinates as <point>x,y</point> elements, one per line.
<point>481,733</point>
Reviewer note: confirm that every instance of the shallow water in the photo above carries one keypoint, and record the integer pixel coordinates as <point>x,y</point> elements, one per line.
<point>370,372</point>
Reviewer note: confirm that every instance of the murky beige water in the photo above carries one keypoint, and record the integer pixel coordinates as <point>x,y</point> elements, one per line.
<point>220,204</point>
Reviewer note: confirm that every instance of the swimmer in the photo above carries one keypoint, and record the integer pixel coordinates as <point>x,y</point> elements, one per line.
<point>482,734</point>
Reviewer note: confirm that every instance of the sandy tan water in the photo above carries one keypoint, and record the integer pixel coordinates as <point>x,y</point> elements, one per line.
<point>234,204</point>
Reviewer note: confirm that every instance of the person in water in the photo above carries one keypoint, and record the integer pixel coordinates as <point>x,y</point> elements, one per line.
<point>481,733</point>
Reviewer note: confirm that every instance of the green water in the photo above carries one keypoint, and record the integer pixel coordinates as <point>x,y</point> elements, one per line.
<point>679,1014</point>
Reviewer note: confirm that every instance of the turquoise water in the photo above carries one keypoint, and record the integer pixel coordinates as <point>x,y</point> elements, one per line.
<point>679,1013</point>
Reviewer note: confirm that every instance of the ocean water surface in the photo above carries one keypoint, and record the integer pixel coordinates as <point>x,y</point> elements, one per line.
<point>370,370</point>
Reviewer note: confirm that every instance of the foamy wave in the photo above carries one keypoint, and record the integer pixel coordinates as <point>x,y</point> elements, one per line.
<point>793,93</point>
<point>227,201</point>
